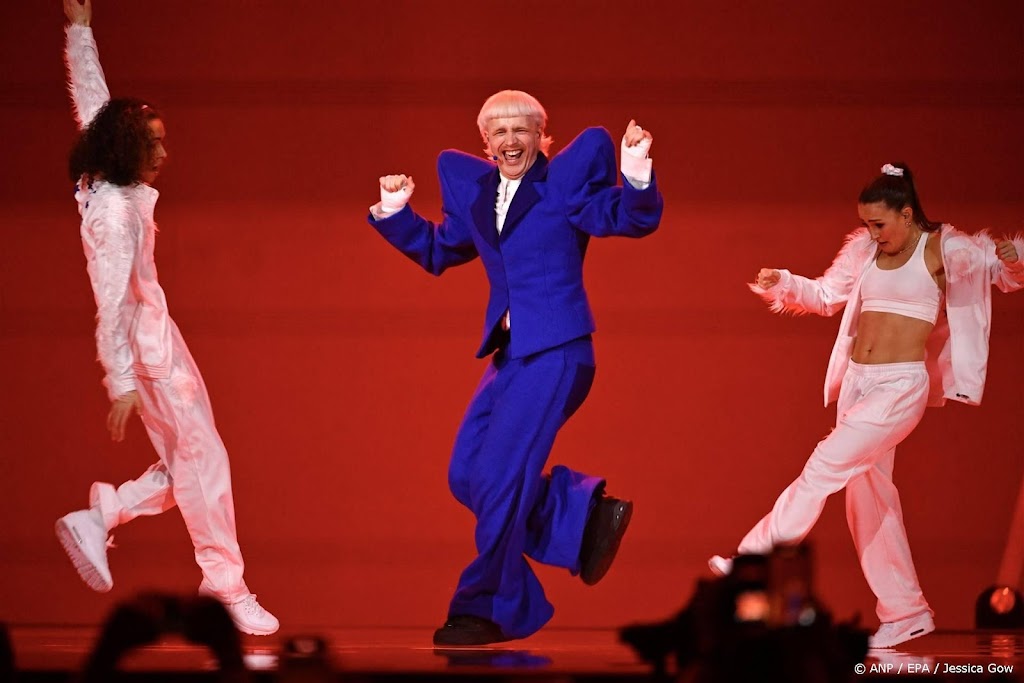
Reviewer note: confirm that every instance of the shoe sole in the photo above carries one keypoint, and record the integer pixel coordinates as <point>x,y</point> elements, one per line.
<point>238,626</point>
<point>719,569</point>
<point>85,568</point>
<point>442,642</point>
<point>256,632</point>
<point>445,639</point>
<point>611,549</point>
<point>916,633</point>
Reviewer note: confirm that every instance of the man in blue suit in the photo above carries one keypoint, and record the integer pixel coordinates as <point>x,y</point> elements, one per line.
<point>529,220</point>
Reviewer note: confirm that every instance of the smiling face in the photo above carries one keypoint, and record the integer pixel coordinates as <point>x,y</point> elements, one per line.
<point>891,230</point>
<point>155,155</point>
<point>515,141</point>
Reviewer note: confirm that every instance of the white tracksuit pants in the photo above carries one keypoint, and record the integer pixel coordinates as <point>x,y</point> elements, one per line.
<point>193,473</point>
<point>879,405</point>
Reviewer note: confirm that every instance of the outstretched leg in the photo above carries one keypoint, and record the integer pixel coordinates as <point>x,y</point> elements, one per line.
<point>879,405</point>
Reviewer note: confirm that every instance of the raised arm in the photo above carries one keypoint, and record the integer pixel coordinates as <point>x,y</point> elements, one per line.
<point>596,204</point>
<point>826,295</point>
<point>86,84</point>
<point>435,247</point>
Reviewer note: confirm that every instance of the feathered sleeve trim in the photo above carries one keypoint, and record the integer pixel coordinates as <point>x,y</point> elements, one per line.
<point>798,295</point>
<point>111,248</point>
<point>964,255</point>
<point>86,83</point>
<point>775,296</point>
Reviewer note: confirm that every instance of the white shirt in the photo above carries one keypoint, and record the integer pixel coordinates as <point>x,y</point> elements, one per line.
<point>506,191</point>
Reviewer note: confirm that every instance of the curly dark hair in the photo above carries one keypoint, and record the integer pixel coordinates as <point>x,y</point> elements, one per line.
<point>116,143</point>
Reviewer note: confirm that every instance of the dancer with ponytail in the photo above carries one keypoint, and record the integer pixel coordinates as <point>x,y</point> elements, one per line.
<point>916,302</point>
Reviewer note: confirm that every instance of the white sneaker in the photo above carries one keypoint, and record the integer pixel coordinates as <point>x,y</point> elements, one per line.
<point>720,566</point>
<point>896,632</point>
<point>250,617</point>
<point>85,540</point>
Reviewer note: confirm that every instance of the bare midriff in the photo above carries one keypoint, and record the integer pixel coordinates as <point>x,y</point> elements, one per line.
<point>889,338</point>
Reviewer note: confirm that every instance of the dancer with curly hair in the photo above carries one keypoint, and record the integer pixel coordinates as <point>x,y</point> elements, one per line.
<point>148,369</point>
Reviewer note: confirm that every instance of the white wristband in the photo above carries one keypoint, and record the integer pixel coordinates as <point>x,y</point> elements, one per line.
<point>635,162</point>
<point>393,202</point>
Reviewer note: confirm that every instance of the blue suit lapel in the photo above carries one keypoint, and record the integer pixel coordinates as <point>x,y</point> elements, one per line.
<point>528,194</point>
<point>482,210</point>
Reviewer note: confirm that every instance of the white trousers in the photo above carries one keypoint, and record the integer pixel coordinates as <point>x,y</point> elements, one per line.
<point>193,473</point>
<point>879,405</point>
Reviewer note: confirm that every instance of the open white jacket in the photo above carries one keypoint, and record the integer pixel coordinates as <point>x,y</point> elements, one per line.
<point>957,358</point>
<point>133,327</point>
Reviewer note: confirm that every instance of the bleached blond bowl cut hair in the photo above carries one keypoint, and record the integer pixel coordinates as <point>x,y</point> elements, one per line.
<point>510,103</point>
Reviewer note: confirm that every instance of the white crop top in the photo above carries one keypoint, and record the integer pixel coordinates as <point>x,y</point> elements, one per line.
<point>909,290</point>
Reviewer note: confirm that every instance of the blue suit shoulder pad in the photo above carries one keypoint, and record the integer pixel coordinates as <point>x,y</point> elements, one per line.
<point>451,163</point>
<point>593,140</point>
<point>590,156</point>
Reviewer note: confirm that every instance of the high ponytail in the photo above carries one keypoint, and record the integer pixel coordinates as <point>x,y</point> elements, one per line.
<point>895,188</point>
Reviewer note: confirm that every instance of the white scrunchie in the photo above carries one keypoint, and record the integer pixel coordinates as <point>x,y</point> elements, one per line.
<point>889,169</point>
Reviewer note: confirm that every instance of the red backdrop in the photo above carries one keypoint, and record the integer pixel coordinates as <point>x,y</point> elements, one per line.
<point>339,371</point>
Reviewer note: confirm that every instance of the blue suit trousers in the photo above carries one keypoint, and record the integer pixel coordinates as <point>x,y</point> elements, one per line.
<point>497,471</point>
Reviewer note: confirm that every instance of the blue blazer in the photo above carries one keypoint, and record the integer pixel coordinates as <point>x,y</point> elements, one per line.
<point>535,266</point>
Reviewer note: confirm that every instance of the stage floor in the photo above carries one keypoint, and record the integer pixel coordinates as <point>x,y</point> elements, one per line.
<point>56,652</point>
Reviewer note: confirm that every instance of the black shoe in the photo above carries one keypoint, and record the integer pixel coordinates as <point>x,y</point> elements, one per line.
<point>464,629</point>
<point>601,538</point>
